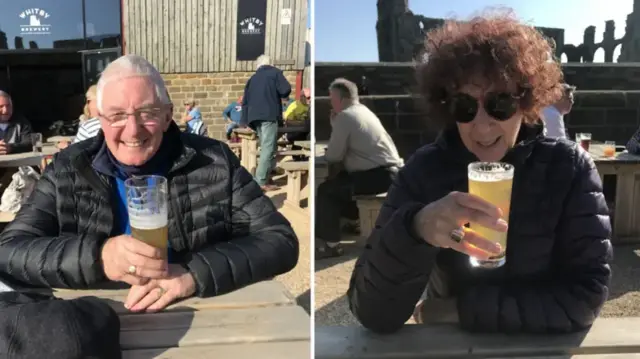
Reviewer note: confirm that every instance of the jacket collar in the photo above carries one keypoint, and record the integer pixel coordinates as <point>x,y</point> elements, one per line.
<point>450,141</point>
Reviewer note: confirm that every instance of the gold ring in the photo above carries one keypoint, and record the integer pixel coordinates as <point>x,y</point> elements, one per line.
<point>457,235</point>
<point>132,269</point>
<point>161,292</point>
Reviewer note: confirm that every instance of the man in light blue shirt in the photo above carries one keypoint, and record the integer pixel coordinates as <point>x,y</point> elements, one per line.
<point>193,119</point>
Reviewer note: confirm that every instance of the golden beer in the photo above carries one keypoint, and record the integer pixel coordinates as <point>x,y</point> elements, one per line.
<point>492,181</point>
<point>156,235</point>
<point>148,212</point>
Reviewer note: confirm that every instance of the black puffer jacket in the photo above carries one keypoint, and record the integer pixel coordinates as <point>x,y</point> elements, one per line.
<point>228,233</point>
<point>557,274</point>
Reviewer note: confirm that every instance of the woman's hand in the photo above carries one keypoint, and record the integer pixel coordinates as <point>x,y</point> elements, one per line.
<point>435,223</point>
<point>157,294</point>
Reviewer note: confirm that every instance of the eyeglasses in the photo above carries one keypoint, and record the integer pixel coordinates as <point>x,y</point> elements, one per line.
<point>499,105</point>
<point>148,116</point>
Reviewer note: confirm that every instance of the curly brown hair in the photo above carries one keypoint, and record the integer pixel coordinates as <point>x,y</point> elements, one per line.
<point>497,48</point>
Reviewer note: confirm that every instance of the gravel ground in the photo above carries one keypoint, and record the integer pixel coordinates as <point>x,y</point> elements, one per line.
<point>332,281</point>
<point>298,280</point>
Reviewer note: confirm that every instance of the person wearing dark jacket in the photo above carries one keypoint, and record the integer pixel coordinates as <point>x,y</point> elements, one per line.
<point>416,261</point>
<point>15,130</point>
<point>262,111</point>
<point>633,146</point>
<point>74,232</point>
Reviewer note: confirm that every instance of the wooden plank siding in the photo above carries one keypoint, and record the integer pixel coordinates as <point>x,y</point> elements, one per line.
<point>199,36</point>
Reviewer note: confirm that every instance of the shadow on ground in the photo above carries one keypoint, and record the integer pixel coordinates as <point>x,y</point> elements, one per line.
<point>352,246</point>
<point>626,270</point>
<point>304,300</point>
<point>335,312</point>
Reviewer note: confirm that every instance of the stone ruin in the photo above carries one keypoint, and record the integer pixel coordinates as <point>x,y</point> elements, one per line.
<point>401,36</point>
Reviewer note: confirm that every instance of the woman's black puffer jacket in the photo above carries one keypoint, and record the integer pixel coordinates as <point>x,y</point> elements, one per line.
<point>557,272</point>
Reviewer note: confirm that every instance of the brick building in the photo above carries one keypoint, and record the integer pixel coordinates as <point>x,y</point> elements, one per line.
<point>50,52</point>
<point>195,45</point>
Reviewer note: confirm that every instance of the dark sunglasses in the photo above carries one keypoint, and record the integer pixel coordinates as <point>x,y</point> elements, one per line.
<point>499,105</point>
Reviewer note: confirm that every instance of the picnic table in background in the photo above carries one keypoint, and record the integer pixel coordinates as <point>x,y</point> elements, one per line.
<point>249,145</point>
<point>27,158</point>
<point>626,168</point>
<point>58,139</point>
<point>258,321</point>
<point>608,338</point>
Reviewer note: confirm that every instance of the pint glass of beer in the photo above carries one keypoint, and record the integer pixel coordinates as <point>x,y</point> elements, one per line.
<point>492,181</point>
<point>147,208</point>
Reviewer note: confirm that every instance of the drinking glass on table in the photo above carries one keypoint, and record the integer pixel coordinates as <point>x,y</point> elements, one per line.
<point>148,212</point>
<point>492,181</point>
<point>36,142</point>
<point>584,139</point>
<point>609,149</point>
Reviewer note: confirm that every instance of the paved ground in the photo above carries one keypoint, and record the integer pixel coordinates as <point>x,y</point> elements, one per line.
<point>332,281</point>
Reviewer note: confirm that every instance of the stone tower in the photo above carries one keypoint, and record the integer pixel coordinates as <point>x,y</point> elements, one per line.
<point>387,27</point>
<point>630,51</point>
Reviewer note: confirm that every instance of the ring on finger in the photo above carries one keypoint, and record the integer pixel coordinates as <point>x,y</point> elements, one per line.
<point>161,291</point>
<point>457,235</point>
<point>132,269</point>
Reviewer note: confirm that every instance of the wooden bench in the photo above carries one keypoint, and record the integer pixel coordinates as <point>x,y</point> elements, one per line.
<point>258,321</point>
<point>295,171</point>
<point>608,338</point>
<point>236,147</point>
<point>369,208</point>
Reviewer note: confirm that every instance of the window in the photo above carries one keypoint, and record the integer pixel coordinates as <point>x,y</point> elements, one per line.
<point>41,24</point>
<point>103,23</point>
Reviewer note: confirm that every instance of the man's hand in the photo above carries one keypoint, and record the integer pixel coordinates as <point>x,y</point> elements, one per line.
<point>126,259</point>
<point>157,294</point>
<point>4,149</point>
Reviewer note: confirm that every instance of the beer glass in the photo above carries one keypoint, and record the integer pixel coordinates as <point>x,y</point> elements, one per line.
<point>491,181</point>
<point>609,149</point>
<point>148,212</point>
<point>584,139</point>
<point>36,142</point>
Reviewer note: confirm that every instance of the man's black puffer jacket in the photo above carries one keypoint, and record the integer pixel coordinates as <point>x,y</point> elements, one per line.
<point>557,274</point>
<point>228,233</point>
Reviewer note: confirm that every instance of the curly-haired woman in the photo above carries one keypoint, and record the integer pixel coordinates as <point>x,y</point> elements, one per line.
<point>485,81</point>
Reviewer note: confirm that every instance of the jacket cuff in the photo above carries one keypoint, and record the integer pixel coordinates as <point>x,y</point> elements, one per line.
<point>203,271</point>
<point>400,240</point>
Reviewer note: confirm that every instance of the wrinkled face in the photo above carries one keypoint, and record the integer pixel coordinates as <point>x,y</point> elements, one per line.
<point>336,101</point>
<point>6,109</point>
<point>133,120</point>
<point>485,136</point>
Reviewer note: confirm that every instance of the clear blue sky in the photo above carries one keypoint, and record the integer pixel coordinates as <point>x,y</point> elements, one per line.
<point>345,30</point>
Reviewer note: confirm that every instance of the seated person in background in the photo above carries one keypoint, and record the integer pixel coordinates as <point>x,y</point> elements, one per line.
<point>74,232</point>
<point>485,83</point>
<point>232,115</point>
<point>90,126</point>
<point>553,115</point>
<point>369,161</point>
<point>298,111</point>
<point>15,130</point>
<point>633,146</point>
<point>193,119</point>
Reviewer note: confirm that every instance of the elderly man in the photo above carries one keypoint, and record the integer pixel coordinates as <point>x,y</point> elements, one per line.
<point>553,116</point>
<point>74,230</point>
<point>15,130</point>
<point>369,160</point>
<point>262,111</point>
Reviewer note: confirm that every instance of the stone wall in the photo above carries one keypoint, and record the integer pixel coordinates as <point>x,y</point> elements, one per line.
<point>607,101</point>
<point>212,92</point>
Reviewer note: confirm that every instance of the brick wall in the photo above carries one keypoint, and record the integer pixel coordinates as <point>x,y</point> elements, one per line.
<point>212,92</point>
<point>608,115</point>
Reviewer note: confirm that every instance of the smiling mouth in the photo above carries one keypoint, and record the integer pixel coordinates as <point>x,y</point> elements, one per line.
<point>487,144</point>
<point>134,144</point>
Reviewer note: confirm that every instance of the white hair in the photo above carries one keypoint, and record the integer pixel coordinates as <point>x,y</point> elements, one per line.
<point>128,66</point>
<point>7,96</point>
<point>263,60</point>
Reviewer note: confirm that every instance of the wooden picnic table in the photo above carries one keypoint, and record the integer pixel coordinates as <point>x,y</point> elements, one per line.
<point>27,158</point>
<point>58,139</point>
<point>612,338</point>
<point>258,321</point>
<point>626,168</point>
<point>249,145</point>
